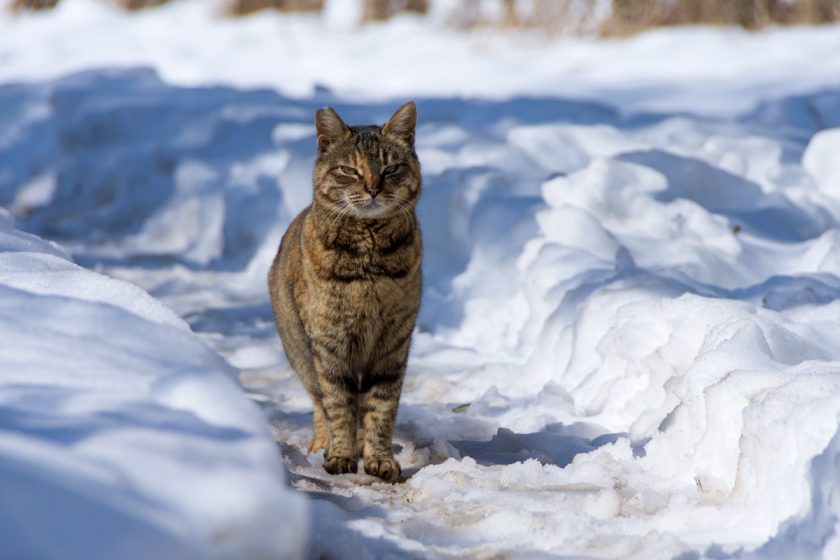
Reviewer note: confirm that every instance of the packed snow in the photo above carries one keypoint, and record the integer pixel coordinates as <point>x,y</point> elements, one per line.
<point>628,346</point>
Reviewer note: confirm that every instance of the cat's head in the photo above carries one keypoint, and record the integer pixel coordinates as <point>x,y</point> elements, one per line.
<point>367,171</point>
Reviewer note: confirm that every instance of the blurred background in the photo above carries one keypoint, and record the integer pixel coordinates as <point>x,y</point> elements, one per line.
<point>601,17</point>
<point>626,53</point>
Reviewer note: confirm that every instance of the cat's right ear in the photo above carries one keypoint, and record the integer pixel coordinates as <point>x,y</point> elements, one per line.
<point>330,128</point>
<point>402,123</point>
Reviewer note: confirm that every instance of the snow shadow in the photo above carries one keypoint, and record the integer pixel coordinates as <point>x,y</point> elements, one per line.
<point>232,320</point>
<point>797,117</point>
<point>783,292</point>
<point>107,520</point>
<point>58,429</point>
<point>769,215</point>
<point>554,445</point>
<point>777,293</point>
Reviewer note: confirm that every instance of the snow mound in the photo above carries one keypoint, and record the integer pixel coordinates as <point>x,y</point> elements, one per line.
<point>821,161</point>
<point>712,383</point>
<point>123,435</point>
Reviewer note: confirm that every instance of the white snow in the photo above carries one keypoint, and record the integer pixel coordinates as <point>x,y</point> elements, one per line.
<point>725,71</point>
<point>629,344</point>
<point>122,435</point>
<point>821,162</point>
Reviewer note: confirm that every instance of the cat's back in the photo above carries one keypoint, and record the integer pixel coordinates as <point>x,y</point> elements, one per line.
<point>284,280</point>
<point>287,264</point>
<point>284,283</point>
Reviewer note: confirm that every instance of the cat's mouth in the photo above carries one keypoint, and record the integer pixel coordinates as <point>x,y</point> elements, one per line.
<point>370,208</point>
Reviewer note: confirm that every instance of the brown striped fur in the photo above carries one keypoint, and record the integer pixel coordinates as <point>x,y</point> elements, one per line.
<point>345,287</point>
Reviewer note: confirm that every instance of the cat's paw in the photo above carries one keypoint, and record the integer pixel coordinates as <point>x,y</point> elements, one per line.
<point>318,442</point>
<point>386,468</point>
<point>341,465</point>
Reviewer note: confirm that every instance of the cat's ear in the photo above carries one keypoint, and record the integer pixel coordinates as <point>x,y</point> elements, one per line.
<point>402,123</point>
<point>330,128</point>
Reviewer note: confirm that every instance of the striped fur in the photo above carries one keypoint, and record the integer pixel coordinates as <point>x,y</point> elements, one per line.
<point>345,287</point>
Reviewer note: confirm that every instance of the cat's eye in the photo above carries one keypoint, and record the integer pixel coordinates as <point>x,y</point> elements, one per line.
<point>347,170</point>
<point>391,169</point>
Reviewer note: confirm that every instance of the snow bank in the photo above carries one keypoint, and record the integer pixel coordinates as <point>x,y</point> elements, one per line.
<point>122,435</point>
<point>652,319</point>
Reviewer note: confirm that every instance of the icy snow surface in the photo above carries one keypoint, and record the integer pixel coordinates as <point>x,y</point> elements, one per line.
<point>629,344</point>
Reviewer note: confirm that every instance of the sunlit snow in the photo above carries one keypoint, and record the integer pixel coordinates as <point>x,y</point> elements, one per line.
<point>629,344</point>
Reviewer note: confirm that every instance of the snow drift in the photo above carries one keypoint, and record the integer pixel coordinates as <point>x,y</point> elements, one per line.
<point>123,435</point>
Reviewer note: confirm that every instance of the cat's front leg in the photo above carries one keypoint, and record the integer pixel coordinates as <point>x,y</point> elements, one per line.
<point>340,405</point>
<point>320,427</point>
<point>379,401</point>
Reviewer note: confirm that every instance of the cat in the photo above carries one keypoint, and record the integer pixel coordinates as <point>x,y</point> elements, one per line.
<point>345,287</point>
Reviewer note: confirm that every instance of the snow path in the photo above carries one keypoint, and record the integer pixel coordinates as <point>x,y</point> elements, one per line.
<point>625,360</point>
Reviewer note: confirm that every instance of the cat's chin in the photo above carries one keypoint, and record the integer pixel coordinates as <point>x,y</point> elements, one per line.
<point>371,210</point>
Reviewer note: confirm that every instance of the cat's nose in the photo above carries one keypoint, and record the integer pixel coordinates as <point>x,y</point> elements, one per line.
<point>372,189</point>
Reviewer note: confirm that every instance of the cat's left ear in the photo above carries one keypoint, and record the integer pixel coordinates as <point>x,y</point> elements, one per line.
<point>402,123</point>
<point>330,128</point>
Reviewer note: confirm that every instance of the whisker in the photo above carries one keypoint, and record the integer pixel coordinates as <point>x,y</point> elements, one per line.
<point>402,205</point>
<point>345,208</point>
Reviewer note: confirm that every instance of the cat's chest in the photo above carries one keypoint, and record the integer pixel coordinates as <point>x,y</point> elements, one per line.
<point>364,280</point>
<point>357,309</point>
<point>368,258</point>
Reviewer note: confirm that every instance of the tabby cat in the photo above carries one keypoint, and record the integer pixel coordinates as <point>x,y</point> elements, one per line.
<point>345,287</point>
